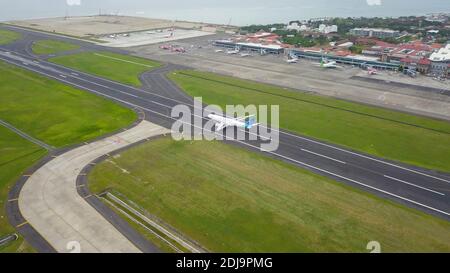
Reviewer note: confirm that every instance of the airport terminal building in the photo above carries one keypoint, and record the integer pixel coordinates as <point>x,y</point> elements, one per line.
<point>349,60</point>
<point>361,61</point>
<point>254,47</point>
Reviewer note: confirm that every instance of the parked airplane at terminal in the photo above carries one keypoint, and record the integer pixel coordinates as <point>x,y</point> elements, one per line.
<point>372,71</point>
<point>169,35</point>
<point>292,61</point>
<point>328,64</point>
<point>234,51</point>
<point>222,122</point>
<point>165,47</point>
<point>178,49</point>
<point>410,72</point>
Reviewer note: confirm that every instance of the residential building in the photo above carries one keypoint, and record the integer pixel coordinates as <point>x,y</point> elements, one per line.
<point>375,32</point>
<point>328,29</point>
<point>440,62</point>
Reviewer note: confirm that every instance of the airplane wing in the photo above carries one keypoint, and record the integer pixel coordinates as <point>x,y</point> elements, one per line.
<point>219,126</point>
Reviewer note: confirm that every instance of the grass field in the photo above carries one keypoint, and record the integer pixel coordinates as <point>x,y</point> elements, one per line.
<point>394,135</point>
<point>233,200</point>
<point>54,113</point>
<point>45,47</point>
<point>116,67</point>
<point>16,155</point>
<point>7,36</point>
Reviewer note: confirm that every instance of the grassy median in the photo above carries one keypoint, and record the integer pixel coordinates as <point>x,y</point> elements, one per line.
<point>16,155</point>
<point>117,67</point>
<point>45,47</point>
<point>7,36</point>
<point>385,133</point>
<point>54,113</point>
<point>232,200</point>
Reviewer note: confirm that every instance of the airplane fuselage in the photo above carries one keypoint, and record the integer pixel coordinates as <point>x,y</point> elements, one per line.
<point>227,121</point>
<point>233,52</point>
<point>223,122</point>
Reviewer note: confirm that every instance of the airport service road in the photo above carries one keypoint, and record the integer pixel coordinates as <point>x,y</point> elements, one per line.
<point>426,190</point>
<point>50,202</point>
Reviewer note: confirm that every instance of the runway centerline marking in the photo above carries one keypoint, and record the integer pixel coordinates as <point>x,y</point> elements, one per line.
<point>324,156</point>
<point>366,157</point>
<point>122,60</point>
<point>411,184</point>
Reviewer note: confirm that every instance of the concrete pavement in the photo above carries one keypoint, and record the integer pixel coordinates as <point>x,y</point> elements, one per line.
<point>49,201</point>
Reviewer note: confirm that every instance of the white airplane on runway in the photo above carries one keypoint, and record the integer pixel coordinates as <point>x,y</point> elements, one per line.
<point>223,122</point>
<point>243,55</point>
<point>218,50</point>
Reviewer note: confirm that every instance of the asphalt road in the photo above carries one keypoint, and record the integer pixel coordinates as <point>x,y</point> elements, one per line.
<point>415,187</point>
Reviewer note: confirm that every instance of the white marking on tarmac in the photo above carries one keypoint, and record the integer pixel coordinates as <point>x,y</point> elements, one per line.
<point>411,184</point>
<point>324,156</point>
<point>367,157</point>
<point>122,60</point>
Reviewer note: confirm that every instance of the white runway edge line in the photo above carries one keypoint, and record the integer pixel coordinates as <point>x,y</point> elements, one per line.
<point>368,157</point>
<point>411,184</point>
<point>254,147</point>
<point>324,156</point>
<point>122,60</point>
<point>281,132</point>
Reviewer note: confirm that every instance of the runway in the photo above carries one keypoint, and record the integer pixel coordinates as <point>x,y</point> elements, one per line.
<point>415,187</point>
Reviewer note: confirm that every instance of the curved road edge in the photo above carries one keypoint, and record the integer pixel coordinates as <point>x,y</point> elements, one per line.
<point>35,236</point>
<point>110,215</point>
